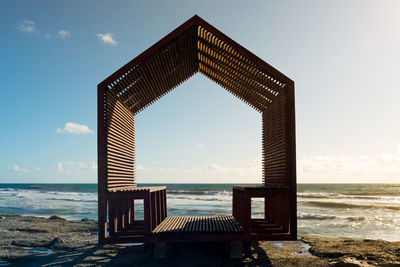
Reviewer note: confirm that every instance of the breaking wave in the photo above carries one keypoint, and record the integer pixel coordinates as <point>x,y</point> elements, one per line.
<point>308,216</point>
<point>339,205</point>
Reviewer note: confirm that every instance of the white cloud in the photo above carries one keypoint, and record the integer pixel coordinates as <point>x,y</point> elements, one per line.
<point>74,128</point>
<point>29,22</point>
<point>93,166</point>
<point>384,167</point>
<point>60,168</point>
<point>141,167</point>
<point>30,27</point>
<point>106,38</point>
<point>200,145</point>
<point>70,167</point>
<point>18,169</point>
<point>218,168</point>
<point>38,169</point>
<point>63,34</point>
<point>26,26</point>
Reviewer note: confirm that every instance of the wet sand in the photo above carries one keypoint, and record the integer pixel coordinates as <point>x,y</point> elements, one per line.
<point>34,241</point>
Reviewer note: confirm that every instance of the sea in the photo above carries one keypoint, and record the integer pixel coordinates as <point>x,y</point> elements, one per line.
<point>358,211</point>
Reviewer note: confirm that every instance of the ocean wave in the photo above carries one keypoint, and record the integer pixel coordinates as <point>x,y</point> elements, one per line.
<point>321,217</point>
<point>316,195</point>
<point>309,216</point>
<point>340,205</point>
<point>374,193</point>
<point>188,192</point>
<point>356,219</point>
<point>185,192</point>
<point>71,199</point>
<point>199,198</point>
<point>36,187</point>
<point>200,195</point>
<point>336,196</point>
<point>7,189</point>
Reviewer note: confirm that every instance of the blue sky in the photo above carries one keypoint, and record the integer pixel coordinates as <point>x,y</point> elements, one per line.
<point>343,56</point>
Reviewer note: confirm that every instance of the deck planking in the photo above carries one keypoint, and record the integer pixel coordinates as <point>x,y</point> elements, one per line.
<point>199,224</point>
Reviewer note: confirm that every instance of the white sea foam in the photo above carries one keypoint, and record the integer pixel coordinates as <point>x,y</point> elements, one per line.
<point>71,205</point>
<point>207,196</point>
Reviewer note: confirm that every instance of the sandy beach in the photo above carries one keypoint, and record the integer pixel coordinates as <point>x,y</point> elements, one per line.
<point>35,241</point>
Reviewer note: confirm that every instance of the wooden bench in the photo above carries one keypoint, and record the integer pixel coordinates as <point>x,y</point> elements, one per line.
<point>276,219</point>
<point>122,224</point>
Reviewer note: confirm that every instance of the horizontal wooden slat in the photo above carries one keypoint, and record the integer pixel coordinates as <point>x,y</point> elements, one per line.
<point>198,224</point>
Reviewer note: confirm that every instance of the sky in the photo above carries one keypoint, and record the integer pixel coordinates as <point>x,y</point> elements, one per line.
<point>343,55</point>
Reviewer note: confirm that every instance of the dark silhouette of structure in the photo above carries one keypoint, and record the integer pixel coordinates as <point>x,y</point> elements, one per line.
<point>193,47</point>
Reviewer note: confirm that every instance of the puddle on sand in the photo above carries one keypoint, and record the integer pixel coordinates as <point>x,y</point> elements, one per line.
<point>44,251</point>
<point>134,244</point>
<point>294,244</point>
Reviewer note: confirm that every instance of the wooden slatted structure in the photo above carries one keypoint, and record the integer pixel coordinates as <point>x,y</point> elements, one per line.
<point>198,224</point>
<point>194,47</point>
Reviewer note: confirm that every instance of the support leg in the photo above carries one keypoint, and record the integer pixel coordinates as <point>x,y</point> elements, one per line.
<point>235,250</point>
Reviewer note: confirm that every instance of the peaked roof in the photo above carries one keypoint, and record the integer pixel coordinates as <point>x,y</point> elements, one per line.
<point>195,46</point>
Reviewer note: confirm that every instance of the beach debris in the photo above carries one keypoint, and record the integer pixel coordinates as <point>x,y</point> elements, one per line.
<point>56,243</point>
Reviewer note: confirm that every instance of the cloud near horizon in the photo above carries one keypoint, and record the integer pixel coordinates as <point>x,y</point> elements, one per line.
<point>74,128</point>
<point>248,172</point>
<point>16,168</point>
<point>107,38</point>
<point>75,168</point>
<point>333,168</point>
<point>341,168</point>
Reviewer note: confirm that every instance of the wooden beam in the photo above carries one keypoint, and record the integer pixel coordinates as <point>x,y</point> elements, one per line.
<point>101,169</point>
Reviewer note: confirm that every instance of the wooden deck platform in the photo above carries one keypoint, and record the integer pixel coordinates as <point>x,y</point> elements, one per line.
<point>198,224</point>
<point>222,228</point>
<point>197,228</point>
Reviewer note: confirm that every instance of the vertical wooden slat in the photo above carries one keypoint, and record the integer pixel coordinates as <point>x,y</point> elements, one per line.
<point>133,211</point>
<point>101,166</point>
<point>147,214</point>
<point>163,207</point>
<point>234,205</point>
<point>246,213</point>
<point>153,210</point>
<point>159,207</point>
<point>118,215</point>
<point>129,212</point>
<point>292,160</point>
<point>165,204</point>
<point>266,208</point>
<point>111,217</point>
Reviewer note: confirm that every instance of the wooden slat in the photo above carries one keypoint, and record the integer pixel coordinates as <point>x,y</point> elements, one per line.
<point>198,224</point>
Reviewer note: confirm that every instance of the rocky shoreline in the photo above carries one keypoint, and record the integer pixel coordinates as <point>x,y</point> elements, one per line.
<point>54,241</point>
